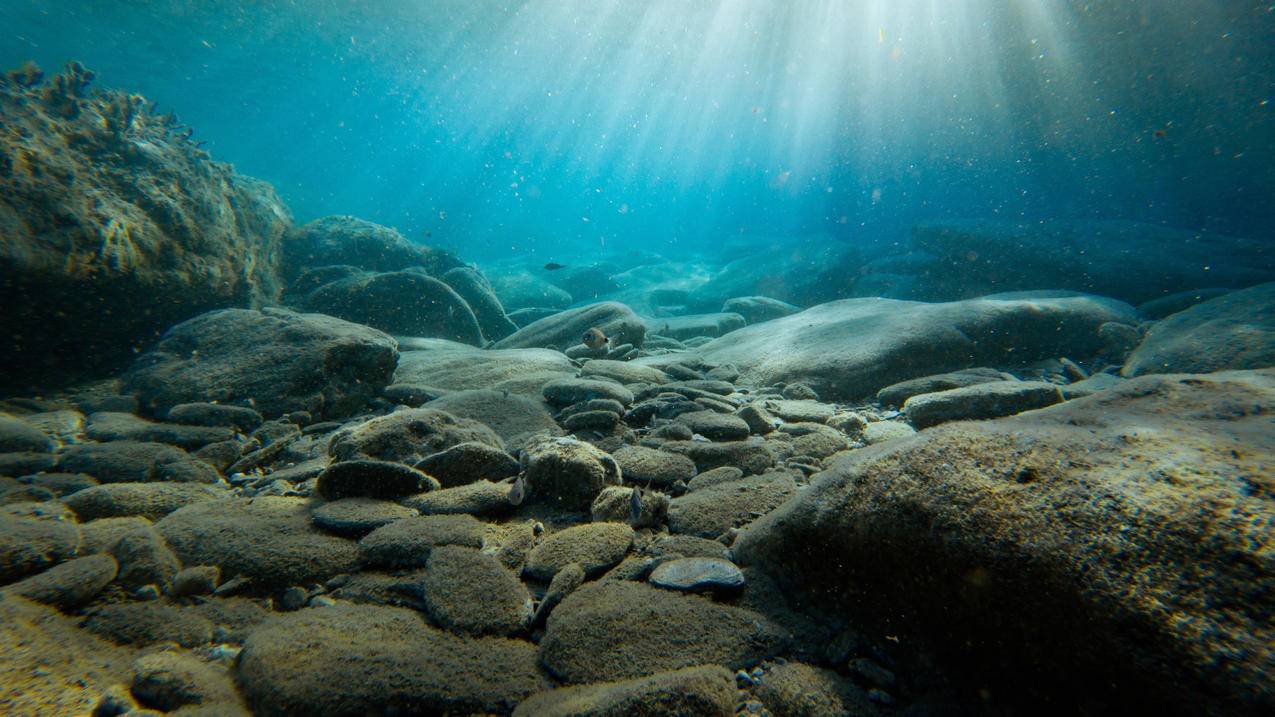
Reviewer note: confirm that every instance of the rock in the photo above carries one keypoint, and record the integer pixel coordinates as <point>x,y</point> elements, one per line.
<point>515,418</point>
<point>335,240</point>
<point>595,546</point>
<point>566,391</point>
<point>298,663</point>
<point>127,427</point>
<point>170,680</point>
<point>622,372</point>
<point>850,349</point>
<point>882,431</point>
<point>1165,306</point>
<point>1235,331</point>
<point>1122,529</point>
<point>793,269</point>
<point>973,258</point>
<point>685,546</point>
<point>456,367</point>
<point>147,623</point>
<point>18,436</point>
<point>269,540</point>
<point>1093,384</point>
<point>981,401</point>
<point>709,575</point>
<point>356,517</point>
<point>60,484</point>
<point>756,309</point>
<point>68,585</point>
<point>469,462</point>
<point>408,436</point>
<point>470,592</point>
<point>759,420</point>
<point>615,504</point>
<point>26,463</point>
<point>31,544</point>
<point>215,414</point>
<point>524,317</point>
<point>135,462</point>
<point>144,559</point>
<point>112,233</point>
<point>372,479</point>
<point>721,474</point>
<point>279,360</point>
<point>101,535</point>
<point>591,421</point>
<point>715,426</point>
<point>815,440</point>
<point>478,293</point>
<point>407,543</point>
<point>398,302</point>
<point>567,473</point>
<point>685,327</point>
<point>564,329</point>
<point>750,456</point>
<point>619,630</point>
<point>711,511</point>
<point>703,691</point>
<point>586,282</point>
<point>479,498</point>
<point>526,291</point>
<point>896,394</point>
<point>795,688</point>
<point>564,582</point>
<point>50,665</point>
<point>648,466</point>
<point>196,580</point>
<point>149,500</point>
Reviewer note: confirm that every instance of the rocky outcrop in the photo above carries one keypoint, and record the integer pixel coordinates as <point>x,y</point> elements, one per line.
<point>114,225</point>
<point>1114,543</point>
<point>278,360</point>
<point>850,349</point>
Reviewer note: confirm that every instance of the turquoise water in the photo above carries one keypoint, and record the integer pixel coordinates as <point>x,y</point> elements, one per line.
<point>564,127</point>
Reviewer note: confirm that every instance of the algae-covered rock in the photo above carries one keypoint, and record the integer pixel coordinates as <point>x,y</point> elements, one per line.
<point>280,360</point>
<point>399,302</point>
<point>568,473</point>
<point>1235,331</point>
<point>711,511</point>
<point>299,663</point>
<point>408,542</point>
<point>408,436</point>
<point>114,225</point>
<point>594,546</point>
<point>149,500</point>
<point>470,592</point>
<point>135,462</point>
<point>796,689</point>
<point>618,630</point>
<point>514,417</point>
<point>458,367</point>
<point>68,585</point>
<point>346,240</point>
<point>565,329</point>
<point>703,691</point>
<point>1124,530</point>
<point>994,399</point>
<point>474,288</point>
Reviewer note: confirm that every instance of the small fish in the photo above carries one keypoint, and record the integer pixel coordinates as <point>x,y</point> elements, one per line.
<point>594,338</point>
<point>518,492</point>
<point>635,505</point>
<point>554,266</point>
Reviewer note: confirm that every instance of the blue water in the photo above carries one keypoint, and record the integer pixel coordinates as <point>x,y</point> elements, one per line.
<point>556,127</point>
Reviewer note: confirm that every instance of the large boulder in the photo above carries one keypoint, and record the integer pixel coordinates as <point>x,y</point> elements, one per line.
<point>849,349</point>
<point>278,360</point>
<point>525,291</point>
<point>1112,547</point>
<point>114,226</point>
<point>567,328</point>
<point>1235,331</point>
<point>301,663</point>
<point>356,242</point>
<point>449,365</point>
<point>399,302</point>
<point>979,257</point>
<point>474,288</point>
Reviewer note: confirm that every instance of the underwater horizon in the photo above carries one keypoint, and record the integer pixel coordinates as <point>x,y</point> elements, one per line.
<point>595,358</point>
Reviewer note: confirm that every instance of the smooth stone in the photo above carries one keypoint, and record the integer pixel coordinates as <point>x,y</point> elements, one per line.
<point>615,504</point>
<point>410,303</point>
<point>470,592</point>
<point>68,585</point>
<point>215,414</point>
<point>407,543</point>
<point>692,325</point>
<point>408,436</point>
<point>135,462</point>
<point>564,329</point>
<point>32,544</point>
<point>981,401</point>
<point>800,411</point>
<point>474,288</point>
<point>591,420</point>
<point>18,436</point>
<point>1235,331</point>
<point>798,688</point>
<point>896,394</point>
<point>466,463</point>
<point>356,517</point>
<point>751,456</point>
<point>721,474</point>
<point>372,479</point>
<point>144,559</point>
<point>168,681</point>
<point>146,623</point>
<point>196,580</point>
<point>595,546</point>
<point>882,431</point>
<point>715,426</point>
<point>649,466</point>
<point>458,367</point>
<point>566,391</point>
<point>127,427</point>
<point>149,500</point>
<point>756,309</point>
<point>713,575</point>
<point>622,371</point>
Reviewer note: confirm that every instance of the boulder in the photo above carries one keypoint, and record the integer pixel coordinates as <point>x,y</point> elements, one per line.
<point>566,391</point>
<point>169,681</point>
<point>345,240</point>
<point>453,366</point>
<point>149,500</point>
<point>972,258</point>
<point>622,371</point>
<point>1124,530</point>
<point>31,544</point>
<point>355,517</point>
<point>269,540</point>
<point>567,473</point>
<point>114,226</point>
<point>398,302</point>
<point>408,436</point>
<point>647,466</point>
<point>371,479</point>
<point>567,328</point>
<point>702,691</point>
<point>299,663</point>
<point>526,291</point>
<point>477,292</point>
<point>407,543</point>
<point>618,630</point>
<point>469,462</point>
<point>278,360</point>
<point>18,436</point>
<point>109,426</point>
<point>848,350</point>
<point>69,585</point>
<point>1235,331</point>
<point>896,394</point>
<point>710,511</point>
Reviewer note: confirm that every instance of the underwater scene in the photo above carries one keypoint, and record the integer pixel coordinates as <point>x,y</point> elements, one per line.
<point>797,358</point>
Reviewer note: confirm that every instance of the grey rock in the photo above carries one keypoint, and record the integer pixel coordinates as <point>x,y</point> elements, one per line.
<point>408,436</point>
<point>751,456</point>
<point>515,418</point>
<point>710,511</point>
<point>470,592</point>
<point>30,544</point>
<point>756,309</point>
<point>981,401</point>
<point>566,391</point>
<point>337,240</point>
<point>399,302</point>
<point>144,559</point>
<point>566,328</point>
<point>372,479</point>
<point>407,543</point>
<point>568,473</point>
<point>685,327</point>
<point>196,580</point>
<point>1235,331</point>
<point>648,466</point>
<point>127,427</point>
<point>356,517</point>
<point>18,436</point>
<point>622,371</point>
<point>457,367</point>
<point>715,426</point>
<point>1164,306</point>
<point>478,293</point>
<point>469,462</point>
<point>478,498</point>
<point>591,421</point>
<point>149,500</point>
<point>595,546</point>
<point>215,414</point>
<point>896,394</point>
<point>147,623</point>
<point>68,585</point>
<point>710,575</point>
<point>135,462</point>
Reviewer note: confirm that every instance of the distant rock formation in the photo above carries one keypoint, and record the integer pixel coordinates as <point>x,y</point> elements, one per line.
<point>115,225</point>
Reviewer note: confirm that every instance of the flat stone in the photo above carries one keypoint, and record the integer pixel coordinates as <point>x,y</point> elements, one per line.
<point>33,544</point>
<point>127,427</point>
<point>715,426</point>
<point>1235,331</point>
<point>470,592</point>
<point>710,512</point>
<point>566,391</point>
<point>18,436</point>
<point>649,466</point>
<point>711,575</point>
<point>215,414</point>
<point>882,431</point>
<point>565,328</point>
<point>149,500</point>
<point>356,517</point>
<point>407,543</point>
<point>896,394</point>
<point>801,411</point>
<point>146,623</point>
<point>751,456</point>
<point>595,546</point>
<point>478,498</point>
<point>622,371</point>
<point>408,436</point>
<point>135,462</point>
<point>513,416</point>
<point>981,401</point>
<point>591,420</point>
<point>68,585</point>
